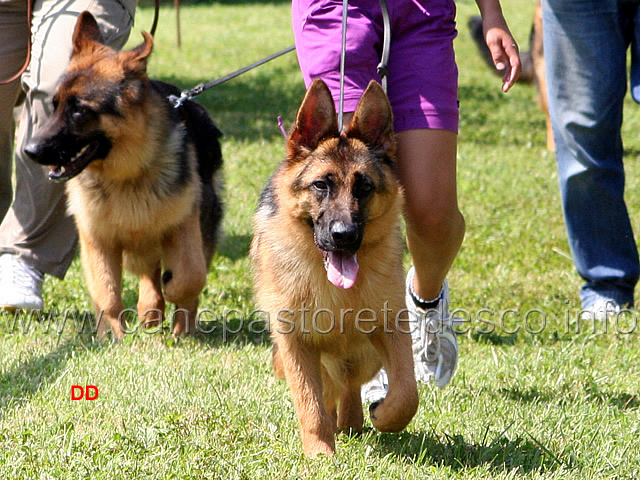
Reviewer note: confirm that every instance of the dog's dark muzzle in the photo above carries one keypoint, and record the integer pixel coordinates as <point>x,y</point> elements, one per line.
<point>345,236</point>
<point>339,236</point>
<point>66,158</point>
<point>35,151</point>
<point>339,242</point>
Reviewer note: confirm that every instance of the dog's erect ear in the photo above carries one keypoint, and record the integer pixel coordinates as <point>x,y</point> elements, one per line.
<point>316,119</point>
<point>372,121</point>
<point>136,59</point>
<point>86,33</point>
<point>142,51</point>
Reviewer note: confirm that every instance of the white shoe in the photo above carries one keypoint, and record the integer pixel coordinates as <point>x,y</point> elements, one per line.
<point>375,389</point>
<point>435,347</point>
<point>20,284</point>
<point>434,344</point>
<point>600,309</point>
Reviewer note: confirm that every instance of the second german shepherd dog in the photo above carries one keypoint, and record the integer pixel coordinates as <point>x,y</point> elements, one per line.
<point>327,253</point>
<point>141,178</point>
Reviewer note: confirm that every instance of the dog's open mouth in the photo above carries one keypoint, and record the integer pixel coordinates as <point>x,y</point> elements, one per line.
<point>342,268</point>
<point>62,173</point>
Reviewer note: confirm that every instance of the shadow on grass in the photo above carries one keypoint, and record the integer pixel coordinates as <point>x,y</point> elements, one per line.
<point>237,327</point>
<point>631,152</point>
<point>501,455</point>
<point>493,338</point>
<point>27,378</point>
<point>529,395</point>
<point>622,401</point>
<point>593,394</point>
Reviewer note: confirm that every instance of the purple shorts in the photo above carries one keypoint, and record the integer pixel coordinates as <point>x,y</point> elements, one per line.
<point>423,76</point>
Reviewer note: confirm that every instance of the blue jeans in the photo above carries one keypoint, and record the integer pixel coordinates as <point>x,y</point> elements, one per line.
<point>585,47</point>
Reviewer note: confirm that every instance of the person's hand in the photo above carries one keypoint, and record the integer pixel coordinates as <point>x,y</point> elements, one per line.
<point>504,50</point>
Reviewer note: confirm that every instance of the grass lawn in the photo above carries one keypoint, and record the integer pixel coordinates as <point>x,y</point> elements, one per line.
<point>538,394</point>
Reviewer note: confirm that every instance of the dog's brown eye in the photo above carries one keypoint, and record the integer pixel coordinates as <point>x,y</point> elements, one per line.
<point>78,114</point>
<point>320,185</point>
<point>364,189</point>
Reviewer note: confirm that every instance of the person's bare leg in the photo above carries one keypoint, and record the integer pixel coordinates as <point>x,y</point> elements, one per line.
<point>426,162</point>
<point>435,227</point>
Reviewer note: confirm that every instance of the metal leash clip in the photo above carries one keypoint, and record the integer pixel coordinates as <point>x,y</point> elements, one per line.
<point>177,102</point>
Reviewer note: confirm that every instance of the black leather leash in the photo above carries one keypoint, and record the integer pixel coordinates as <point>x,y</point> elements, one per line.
<point>343,56</point>
<point>382,66</point>
<point>198,89</point>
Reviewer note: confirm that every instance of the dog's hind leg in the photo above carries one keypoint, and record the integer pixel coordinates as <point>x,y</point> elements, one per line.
<point>276,361</point>
<point>103,271</point>
<point>330,396</point>
<point>399,406</point>
<point>347,392</point>
<point>150,299</point>
<point>184,318</point>
<point>185,272</point>
<point>350,417</point>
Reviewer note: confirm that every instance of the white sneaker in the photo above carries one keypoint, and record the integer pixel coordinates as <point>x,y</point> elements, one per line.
<point>375,389</point>
<point>600,309</point>
<point>435,347</point>
<point>20,284</point>
<point>434,344</point>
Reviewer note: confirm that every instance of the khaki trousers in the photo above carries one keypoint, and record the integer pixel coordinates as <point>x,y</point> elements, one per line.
<point>36,226</point>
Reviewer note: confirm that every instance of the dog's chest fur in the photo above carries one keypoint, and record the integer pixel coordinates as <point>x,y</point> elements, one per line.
<point>132,210</point>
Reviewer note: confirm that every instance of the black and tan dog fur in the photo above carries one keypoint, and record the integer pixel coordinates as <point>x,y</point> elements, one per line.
<point>336,195</point>
<point>141,179</point>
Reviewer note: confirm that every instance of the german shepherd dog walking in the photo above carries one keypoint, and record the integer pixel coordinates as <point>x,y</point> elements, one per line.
<point>141,180</point>
<point>327,254</point>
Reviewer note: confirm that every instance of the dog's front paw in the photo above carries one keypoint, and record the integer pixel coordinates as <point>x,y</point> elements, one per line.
<point>180,287</point>
<point>386,418</point>
<point>316,447</point>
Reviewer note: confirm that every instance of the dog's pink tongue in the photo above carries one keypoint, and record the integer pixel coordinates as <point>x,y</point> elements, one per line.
<point>342,270</point>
